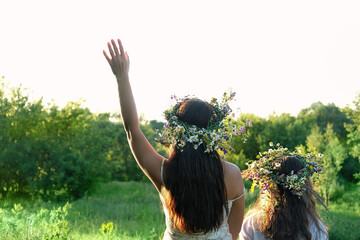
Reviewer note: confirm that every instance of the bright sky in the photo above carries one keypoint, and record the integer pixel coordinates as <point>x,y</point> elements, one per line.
<point>279,56</point>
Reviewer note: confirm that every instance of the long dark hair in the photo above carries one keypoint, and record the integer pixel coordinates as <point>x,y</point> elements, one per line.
<point>286,215</point>
<point>195,192</point>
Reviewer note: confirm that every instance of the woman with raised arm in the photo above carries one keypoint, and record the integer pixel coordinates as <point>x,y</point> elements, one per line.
<point>202,195</point>
<point>286,207</point>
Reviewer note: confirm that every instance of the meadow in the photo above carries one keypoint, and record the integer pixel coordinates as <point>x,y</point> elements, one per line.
<point>132,210</point>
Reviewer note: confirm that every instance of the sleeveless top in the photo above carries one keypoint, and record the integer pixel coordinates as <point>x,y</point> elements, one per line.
<point>222,233</point>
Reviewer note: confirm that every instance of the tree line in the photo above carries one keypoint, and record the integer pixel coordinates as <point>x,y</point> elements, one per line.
<point>320,129</point>
<point>64,153</point>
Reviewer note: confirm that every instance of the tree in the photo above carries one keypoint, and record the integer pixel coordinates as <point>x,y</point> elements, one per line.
<point>47,151</point>
<point>250,148</point>
<point>353,129</point>
<point>322,115</point>
<point>284,129</point>
<point>334,154</point>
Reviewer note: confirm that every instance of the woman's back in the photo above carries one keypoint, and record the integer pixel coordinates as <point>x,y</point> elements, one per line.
<point>196,183</point>
<point>232,211</point>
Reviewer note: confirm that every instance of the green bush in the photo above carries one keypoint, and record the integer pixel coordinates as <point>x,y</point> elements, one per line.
<point>61,154</point>
<point>49,152</point>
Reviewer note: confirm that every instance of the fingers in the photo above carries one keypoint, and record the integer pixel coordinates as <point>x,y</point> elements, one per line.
<point>111,50</point>
<point>114,51</point>
<point>115,47</point>
<point>107,57</point>
<point>121,47</point>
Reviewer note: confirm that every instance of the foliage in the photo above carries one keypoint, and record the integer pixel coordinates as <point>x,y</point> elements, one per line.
<point>44,224</point>
<point>135,211</point>
<point>321,115</point>
<point>253,137</point>
<point>343,219</point>
<point>60,153</point>
<point>45,151</point>
<point>64,153</point>
<point>58,226</point>
<point>334,155</point>
<point>119,156</point>
<point>283,129</point>
<point>107,228</point>
<point>354,129</point>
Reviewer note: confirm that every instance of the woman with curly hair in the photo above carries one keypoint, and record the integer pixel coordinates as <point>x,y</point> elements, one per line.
<point>286,209</point>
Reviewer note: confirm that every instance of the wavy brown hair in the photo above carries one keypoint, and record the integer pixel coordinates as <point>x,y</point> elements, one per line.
<point>194,191</point>
<point>286,215</point>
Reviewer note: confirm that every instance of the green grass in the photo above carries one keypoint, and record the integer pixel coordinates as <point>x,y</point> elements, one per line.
<point>132,210</point>
<point>343,219</point>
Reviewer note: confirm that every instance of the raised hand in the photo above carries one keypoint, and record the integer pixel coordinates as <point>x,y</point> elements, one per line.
<point>146,156</point>
<point>119,60</point>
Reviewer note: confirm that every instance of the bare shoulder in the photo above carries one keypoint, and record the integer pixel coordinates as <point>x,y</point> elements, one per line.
<point>233,180</point>
<point>231,170</point>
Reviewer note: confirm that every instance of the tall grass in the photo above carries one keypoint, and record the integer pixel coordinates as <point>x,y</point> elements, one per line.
<point>132,210</point>
<point>118,210</point>
<point>343,219</point>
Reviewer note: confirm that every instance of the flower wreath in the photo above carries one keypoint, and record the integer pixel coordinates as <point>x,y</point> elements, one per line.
<point>264,174</point>
<point>215,137</point>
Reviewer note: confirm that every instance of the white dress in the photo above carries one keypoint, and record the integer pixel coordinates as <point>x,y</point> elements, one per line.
<point>249,230</point>
<point>222,233</point>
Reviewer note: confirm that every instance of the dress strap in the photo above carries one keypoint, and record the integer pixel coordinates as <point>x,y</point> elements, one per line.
<point>161,169</point>
<point>239,196</point>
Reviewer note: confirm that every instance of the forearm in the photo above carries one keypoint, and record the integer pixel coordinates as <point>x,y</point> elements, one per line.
<point>127,103</point>
<point>120,63</point>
